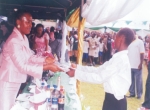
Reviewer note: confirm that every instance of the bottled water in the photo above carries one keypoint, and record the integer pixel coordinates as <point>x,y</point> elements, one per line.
<point>55,95</point>
<point>42,85</point>
<point>49,99</point>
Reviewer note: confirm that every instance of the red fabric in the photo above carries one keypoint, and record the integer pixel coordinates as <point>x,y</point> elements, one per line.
<point>113,45</point>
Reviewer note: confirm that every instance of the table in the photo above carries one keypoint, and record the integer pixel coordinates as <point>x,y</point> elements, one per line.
<point>72,101</point>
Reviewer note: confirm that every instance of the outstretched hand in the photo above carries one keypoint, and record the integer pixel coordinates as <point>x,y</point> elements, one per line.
<point>49,60</point>
<point>73,65</point>
<point>53,67</point>
<point>71,72</point>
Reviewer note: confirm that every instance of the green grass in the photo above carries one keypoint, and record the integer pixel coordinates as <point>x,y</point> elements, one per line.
<point>93,95</point>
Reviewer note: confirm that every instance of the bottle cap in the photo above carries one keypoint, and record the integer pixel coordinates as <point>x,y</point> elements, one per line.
<point>48,86</point>
<point>42,84</point>
<point>55,86</point>
<point>61,87</point>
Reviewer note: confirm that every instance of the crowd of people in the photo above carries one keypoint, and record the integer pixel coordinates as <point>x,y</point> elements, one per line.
<point>97,47</point>
<point>110,50</point>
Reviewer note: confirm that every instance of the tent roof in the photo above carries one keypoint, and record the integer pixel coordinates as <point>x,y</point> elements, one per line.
<point>40,9</point>
<point>112,28</point>
<point>140,13</point>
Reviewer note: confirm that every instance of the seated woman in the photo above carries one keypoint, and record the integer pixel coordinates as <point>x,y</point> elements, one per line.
<point>41,40</point>
<point>115,74</point>
<point>18,61</point>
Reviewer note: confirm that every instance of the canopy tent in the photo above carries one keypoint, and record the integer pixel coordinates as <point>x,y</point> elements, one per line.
<point>119,24</point>
<point>98,12</point>
<point>140,32</point>
<point>136,25</point>
<point>140,13</point>
<point>143,33</point>
<point>132,24</point>
<point>136,18</point>
<point>141,27</point>
<point>40,9</point>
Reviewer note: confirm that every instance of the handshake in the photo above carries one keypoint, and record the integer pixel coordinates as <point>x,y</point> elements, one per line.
<point>51,64</point>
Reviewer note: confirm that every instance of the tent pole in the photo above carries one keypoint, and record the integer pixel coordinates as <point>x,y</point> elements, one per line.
<point>80,44</point>
<point>63,47</point>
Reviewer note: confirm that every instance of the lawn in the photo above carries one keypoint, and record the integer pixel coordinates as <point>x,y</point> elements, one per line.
<point>93,95</point>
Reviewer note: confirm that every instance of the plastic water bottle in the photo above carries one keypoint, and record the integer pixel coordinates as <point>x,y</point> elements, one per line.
<point>42,86</point>
<point>55,95</point>
<point>49,99</point>
<point>48,92</point>
<point>61,99</point>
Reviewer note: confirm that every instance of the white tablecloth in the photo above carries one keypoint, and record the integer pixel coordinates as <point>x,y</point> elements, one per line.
<point>72,101</point>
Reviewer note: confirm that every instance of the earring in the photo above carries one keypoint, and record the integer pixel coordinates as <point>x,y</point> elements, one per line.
<point>18,26</point>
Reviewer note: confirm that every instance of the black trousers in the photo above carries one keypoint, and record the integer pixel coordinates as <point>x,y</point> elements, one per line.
<point>111,103</point>
<point>146,103</point>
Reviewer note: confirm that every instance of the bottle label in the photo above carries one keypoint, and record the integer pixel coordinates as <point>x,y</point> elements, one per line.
<point>61,100</point>
<point>54,100</point>
<point>49,100</point>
